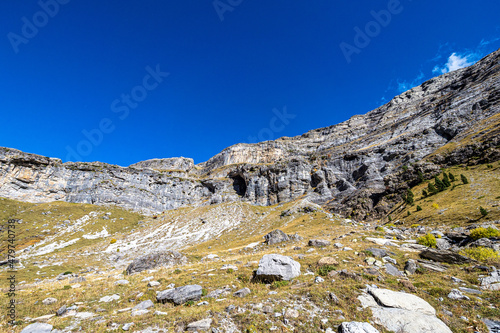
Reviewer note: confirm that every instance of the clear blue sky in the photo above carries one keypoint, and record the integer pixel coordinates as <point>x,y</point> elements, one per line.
<point>73,66</point>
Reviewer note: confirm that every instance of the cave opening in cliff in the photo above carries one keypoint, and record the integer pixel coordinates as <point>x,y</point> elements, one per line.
<point>239,185</point>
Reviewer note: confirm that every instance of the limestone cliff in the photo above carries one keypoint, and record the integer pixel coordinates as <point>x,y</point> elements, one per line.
<point>353,168</point>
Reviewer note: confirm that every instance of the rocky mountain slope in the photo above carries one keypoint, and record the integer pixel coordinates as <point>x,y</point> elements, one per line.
<point>353,168</point>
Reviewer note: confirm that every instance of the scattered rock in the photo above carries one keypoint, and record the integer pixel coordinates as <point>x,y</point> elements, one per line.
<point>333,298</point>
<point>407,284</point>
<point>446,256</point>
<point>61,311</point>
<point>379,253</point>
<point>411,267</point>
<point>275,267</point>
<point>180,295</point>
<point>319,279</point>
<point>318,242</point>
<point>37,328</point>
<point>127,326</point>
<point>357,327</point>
<point>402,312</point>
<point>291,314</point>
<point>327,261</point>
<point>144,305</point>
<point>442,244</point>
<point>200,325</point>
<point>152,260</point>
<point>392,270</point>
<point>107,299</point>
<point>344,274</point>
<point>275,237</point>
<point>242,292</point>
<point>153,283</point>
<point>49,301</point>
<point>432,266</point>
<point>121,282</point>
<point>457,295</point>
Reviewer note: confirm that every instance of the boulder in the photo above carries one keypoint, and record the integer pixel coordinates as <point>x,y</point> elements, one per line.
<point>457,295</point>
<point>318,242</point>
<point>61,311</point>
<point>275,267</point>
<point>242,292</point>
<point>180,295</point>
<point>327,261</point>
<point>143,305</point>
<point>402,312</point>
<point>275,237</point>
<point>392,270</point>
<point>152,260</point>
<point>49,301</point>
<point>442,244</point>
<point>493,325</point>
<point>356,327</point>
<point>445,256</point>
<point>37,328</point>
<point>411,267</point>
<point>377,252</point>
<point>200,325</point>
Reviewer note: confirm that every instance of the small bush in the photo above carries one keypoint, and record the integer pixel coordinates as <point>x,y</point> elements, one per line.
<point>204,292</point>
<point>415,226</point>
<point>419,208</point>
<point>490,166</point>
<point>409,213</point>
<point>483,211</point>
<point>230,270</point>
<point>427,240</point>
<point>177,271</point>
<point>324,270</point>
<point>464,179</point>
<point>435,206</point>
<point>67,273</point>
<point>113,241</point>
<point>480,253</point>
<point>189,303</point>
<point>279,284</point>
<point>243,278</point>
<point>479,233</point>
<point>66,287</point>
<point>424,193</point>
<point>409,197</point>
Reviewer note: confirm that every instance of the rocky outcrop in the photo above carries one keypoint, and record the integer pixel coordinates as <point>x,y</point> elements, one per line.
<point>354,168</point>
<point>152,260</point>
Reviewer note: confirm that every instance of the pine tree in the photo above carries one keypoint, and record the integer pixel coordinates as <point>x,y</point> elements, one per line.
<point>452,178</point>
<point>409,213</point>
<point>409,197</point>
<point>424,193</point>
<point>439,184</point>
<point>419,208</point>
<point>421,177</point>
<point>446,180</point>
<point>483,211</point>
<point>432,189</point>
<point>464,179</point>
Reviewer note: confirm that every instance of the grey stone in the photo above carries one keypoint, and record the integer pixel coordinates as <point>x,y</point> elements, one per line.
<point>442,244</point>
<point>318,242</point>
<point>379,253</point>
<point>127,326</point>
<point>493,325</point>
<point>37,328</point>
<point>156,259</point>
<point>242,292</point>
<point>275,237</point>
<point>319,279</point>
<point>457,295</point>
<point>200,325</point>
<point>470,290</point>
<point>61,311</point>
<point>392,270</point>
<point>144,305</point>
<point>275,267</point>
<point>180,295</point>
<point>356,327</point>
<point>121,282</point>
<point>445,256</point>
<point>411,267</point>
<point>49,301</point>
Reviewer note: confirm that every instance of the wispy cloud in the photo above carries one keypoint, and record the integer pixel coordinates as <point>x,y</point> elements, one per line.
<point>407,85</point>
<point>456,61</point>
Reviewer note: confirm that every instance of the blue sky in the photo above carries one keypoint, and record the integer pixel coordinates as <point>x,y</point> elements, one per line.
<point>121,81</point>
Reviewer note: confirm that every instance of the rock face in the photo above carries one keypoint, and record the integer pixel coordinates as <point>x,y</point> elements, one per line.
<point>353,167</point>
<point>401,312</point>
<point>152,260</point>
<point>275,267</point>
<point>180,295</point>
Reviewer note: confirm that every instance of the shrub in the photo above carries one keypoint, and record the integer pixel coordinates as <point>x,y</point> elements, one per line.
<point>483,211</point>
<point>204,292</point>
<point>279,284</point>
<point>230,270</point>
<point>177,271</point>
<point>419,208</point>
<point>432,189</point>
<point>484,233</point>
<point>427,240</point>
<point>451,176</point>
<point>389,218</point>
<point>409,213</point>
<point>490,166</point>
<point>324,270</point>
<point>421,177</point>
<point>424,193</point>
<point>409,197</point>
<point>113,241</point>
<point>243,278</point>
<point>440,186</point>
<point>189,303</point>
<point>464,179</point>
<point>446,180</point>
<point>435,205</point>
<point>66,287</point>
<point>480,253</point>
<point>67,273</point>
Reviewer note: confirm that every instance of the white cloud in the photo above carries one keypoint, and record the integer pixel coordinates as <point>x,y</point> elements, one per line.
<point>456,61</point>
